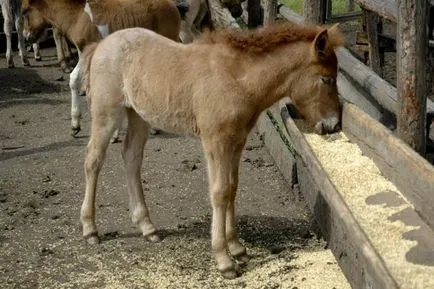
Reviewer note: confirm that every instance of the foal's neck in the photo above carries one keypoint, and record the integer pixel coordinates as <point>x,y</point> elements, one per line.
<point>269,77</point>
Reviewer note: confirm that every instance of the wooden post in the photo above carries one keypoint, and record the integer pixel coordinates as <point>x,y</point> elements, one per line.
<point>412,42</point>
<point>328,10</point>
<point>372,20</point>
<point>254,11</point>
<point>314,10</point>
<point>270,11</point>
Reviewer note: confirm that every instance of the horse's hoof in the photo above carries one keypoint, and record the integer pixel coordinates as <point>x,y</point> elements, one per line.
<point>11,65</point>
<point>155,131</point>
<point>242,259</point>
<point>26,62</point>
<point>92,239</point>
<point>75,130</point>
<point>116,140</point>
<point>153,238</point>
<point>230,273</point>
<point>38,58</point>
<point>67,69</point>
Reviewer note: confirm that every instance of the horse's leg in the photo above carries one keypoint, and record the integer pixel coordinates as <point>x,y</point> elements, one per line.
<point>36,52</point>
<point>115,137</point>
<point>219,157</point>
<point>185,32</point>
<point>59,50</point>
<point>21,47</point>
<point>7,29</point>
<point>235,248</point>
<point>75,85</point>
<point>132,154</point>
<point>102,127</point>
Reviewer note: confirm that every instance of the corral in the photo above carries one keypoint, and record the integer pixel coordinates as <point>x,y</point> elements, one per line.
<point>381,237</point>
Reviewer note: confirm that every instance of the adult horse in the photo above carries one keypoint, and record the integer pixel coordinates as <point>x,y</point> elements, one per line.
<point>214,89</point>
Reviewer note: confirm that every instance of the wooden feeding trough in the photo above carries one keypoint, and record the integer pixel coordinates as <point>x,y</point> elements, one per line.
<point>365,188</point>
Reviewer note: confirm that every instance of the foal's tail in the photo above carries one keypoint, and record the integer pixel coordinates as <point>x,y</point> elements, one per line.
<point>85,61</point>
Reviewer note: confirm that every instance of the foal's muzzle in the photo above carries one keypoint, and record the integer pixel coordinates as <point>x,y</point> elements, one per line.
<point>329,124</point>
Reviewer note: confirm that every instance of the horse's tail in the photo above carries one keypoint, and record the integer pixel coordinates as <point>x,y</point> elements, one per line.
<point>183,7</point>
<point>85,61</point>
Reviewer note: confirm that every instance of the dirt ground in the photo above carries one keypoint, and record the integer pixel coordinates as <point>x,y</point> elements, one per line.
<point>41,189</point>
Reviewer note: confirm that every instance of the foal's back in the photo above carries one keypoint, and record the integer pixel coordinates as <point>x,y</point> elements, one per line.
<point>164,81</point>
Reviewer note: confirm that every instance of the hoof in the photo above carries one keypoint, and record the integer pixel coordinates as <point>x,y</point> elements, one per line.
<point>155,131</point>
<point>67,69</point>
<point>230,273</point>
<point>38,58</point>
<point>242,259</point>
<point>26,62</point>
<point>153,238</point>
<point>116,140</point>
<point>92,239</point>
<point>11,65</point>
<point>75,131</point>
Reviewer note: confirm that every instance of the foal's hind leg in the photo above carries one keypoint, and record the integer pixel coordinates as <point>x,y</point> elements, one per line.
<point>103,125</point>
<point>132,154</point>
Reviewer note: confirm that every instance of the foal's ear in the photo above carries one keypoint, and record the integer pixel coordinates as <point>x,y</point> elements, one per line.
<point>320,45</point>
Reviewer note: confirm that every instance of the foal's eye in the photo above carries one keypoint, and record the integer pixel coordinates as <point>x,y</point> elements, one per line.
<point>327,79</point>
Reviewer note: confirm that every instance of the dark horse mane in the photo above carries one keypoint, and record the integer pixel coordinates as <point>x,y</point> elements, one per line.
<point>270,37</point>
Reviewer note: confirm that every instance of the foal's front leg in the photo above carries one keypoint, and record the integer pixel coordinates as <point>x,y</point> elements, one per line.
<point>219,166</point>
<point>235,248</point>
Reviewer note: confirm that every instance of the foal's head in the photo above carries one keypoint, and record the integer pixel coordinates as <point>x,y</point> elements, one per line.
<point>315,93</point>
<point>302,62</point>
<point>34,25</point>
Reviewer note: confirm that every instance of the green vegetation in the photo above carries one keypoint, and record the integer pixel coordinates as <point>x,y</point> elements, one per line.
<point>338,6</point>
<point>282,135</point>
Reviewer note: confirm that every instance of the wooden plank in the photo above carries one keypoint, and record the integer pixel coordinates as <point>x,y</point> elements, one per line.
<point>411,72</point>
<point>343,17</point>
<point>282,156</point>
<point>354,95</point>
<point>363,268</point>
<point>386,8</point>
<point>411,173</point>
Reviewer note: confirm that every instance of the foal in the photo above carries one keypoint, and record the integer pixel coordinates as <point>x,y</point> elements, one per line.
<point>213,89</point>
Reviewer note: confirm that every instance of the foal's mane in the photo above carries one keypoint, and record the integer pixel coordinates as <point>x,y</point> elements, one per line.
<point>270,37</point>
